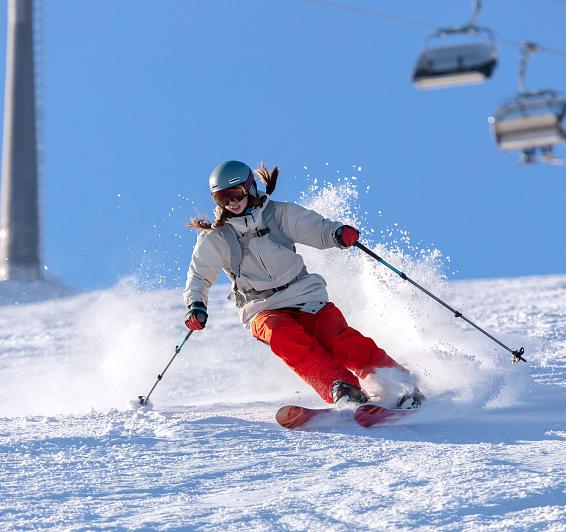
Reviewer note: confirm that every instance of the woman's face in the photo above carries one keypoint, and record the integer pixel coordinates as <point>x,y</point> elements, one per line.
<point>236,207</point>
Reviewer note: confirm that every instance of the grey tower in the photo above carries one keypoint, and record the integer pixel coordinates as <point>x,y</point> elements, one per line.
<point>19,223</point>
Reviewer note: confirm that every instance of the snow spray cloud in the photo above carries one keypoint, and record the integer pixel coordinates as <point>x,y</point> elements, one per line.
<point>101,349</point>
<point>444,355</point>
<point>89,351</point>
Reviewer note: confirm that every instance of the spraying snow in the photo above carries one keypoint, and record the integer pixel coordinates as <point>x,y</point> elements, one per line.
<point>487,451</point>
<point>116,340</point>
<point>444,355</point>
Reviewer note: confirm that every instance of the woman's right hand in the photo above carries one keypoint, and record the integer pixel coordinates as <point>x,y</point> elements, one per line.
<point>196,317</point>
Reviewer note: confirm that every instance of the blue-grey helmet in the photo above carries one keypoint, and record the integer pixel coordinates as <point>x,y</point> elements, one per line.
<point>230,174</point>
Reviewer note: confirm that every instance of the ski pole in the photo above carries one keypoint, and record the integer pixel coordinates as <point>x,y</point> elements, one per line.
<point>517,353</point>
<point>143,399</point>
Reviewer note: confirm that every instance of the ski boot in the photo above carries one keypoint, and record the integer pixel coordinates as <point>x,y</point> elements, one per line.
<point>345,393</point>
<point>411,399</point>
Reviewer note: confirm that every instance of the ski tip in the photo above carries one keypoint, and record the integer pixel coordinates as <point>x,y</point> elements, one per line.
<point>292,416</point>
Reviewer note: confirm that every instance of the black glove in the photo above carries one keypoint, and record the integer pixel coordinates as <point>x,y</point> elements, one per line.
<point>347,235</point>
<point>196,317</point>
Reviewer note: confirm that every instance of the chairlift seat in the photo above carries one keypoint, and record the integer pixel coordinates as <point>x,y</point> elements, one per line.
<point>464,64</point>
<point>528,133</point>
<point>529,123</point>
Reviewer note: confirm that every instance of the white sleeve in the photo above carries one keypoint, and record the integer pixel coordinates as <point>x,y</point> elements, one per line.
<point>304,226</point>
<point>206,263</point>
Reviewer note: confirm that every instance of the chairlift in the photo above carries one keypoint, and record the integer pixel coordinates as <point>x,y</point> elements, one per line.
<point>530,121</point>
<point>462,64</point>
<point>457,63</point>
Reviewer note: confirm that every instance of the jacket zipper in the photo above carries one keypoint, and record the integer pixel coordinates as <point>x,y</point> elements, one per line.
<point>258,253</point>
<point>263,264</point>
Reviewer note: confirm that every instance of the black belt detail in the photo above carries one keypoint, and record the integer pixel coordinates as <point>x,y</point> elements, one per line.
<point>279,288</point>
<point>261,232</point>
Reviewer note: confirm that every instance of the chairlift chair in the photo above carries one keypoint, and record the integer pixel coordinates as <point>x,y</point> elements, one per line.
<point>457,64</point>
<point>530,121</point>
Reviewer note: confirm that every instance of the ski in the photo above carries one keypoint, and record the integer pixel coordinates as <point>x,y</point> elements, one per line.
<point>292,416</point>
<point>368,415</point>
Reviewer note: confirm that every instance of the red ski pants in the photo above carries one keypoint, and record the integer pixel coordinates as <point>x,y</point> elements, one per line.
<point>321,348</point>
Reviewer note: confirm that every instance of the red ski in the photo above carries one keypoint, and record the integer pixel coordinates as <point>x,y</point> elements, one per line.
<point>369,414</point>
<point>292,417</point>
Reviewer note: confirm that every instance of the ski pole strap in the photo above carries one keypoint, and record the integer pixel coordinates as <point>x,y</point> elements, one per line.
<point>517,353</point>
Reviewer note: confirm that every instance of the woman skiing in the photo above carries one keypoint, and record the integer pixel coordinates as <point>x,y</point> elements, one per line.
<point>253,240</point>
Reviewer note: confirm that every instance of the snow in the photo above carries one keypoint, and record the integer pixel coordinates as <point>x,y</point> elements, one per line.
<point>486,453</point>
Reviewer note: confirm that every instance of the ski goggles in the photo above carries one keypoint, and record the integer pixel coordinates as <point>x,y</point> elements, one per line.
<point>224,197</point>
<point>235,193</point>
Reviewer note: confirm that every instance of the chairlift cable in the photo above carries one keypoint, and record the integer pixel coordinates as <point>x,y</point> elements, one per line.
<point>370,13</point>
<point>542,49</point>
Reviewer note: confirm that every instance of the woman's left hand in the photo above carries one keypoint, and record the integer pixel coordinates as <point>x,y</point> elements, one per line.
<point>347,235</point>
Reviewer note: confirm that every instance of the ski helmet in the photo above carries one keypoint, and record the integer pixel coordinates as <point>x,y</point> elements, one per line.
<point>230,174</point>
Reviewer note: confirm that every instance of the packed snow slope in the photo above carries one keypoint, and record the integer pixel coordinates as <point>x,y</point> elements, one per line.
<point>487,452</point>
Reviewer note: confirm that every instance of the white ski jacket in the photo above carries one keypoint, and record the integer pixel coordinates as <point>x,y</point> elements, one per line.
<point>257,253</point>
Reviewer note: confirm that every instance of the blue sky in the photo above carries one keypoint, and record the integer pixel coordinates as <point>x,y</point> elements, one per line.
<point>143,98</point>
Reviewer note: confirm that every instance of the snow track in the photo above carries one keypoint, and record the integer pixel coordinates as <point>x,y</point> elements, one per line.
<point>211,457</point>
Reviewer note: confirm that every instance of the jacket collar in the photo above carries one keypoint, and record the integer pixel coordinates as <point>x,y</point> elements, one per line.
<point>249,222</point>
